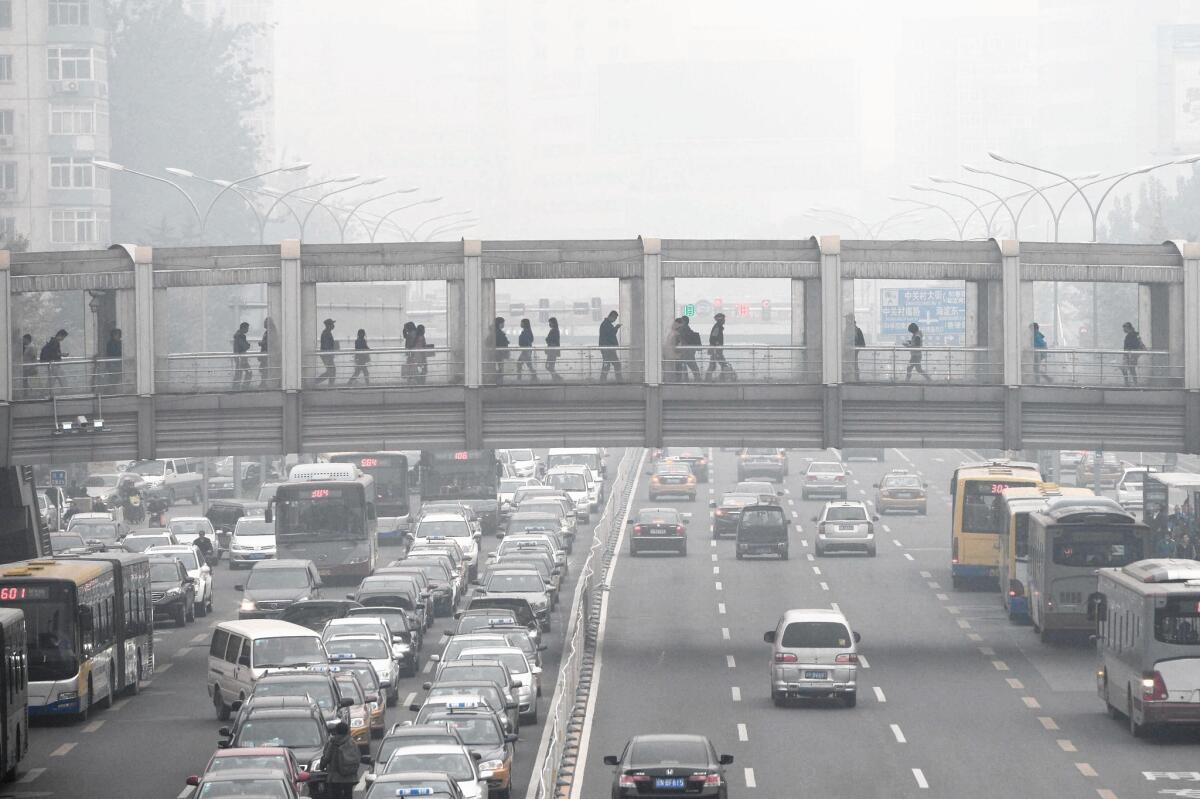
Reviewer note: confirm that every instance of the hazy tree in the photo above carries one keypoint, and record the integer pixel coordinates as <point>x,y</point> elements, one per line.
<point>180,89</point>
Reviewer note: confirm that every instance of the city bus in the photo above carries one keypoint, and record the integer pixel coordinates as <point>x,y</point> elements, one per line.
<point>1069,540</point>
<point>1169,506</point>
<point>467,476</point>
<point>134,611</point>
<point>325,513</point>
<point>389,470</point>
<point>1015,506</point>
<point>14,692</point>
<point>73,629</point>
<point>975,521</point>
<point>1147,618</point>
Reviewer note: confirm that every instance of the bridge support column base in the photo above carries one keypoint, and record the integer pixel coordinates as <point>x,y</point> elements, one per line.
<point>146,444</point>
<point>1012,418</point>
<point>832,417</point>
<point>1191,422</point>
<point>293,422</point>
<point>473,418</point>
<point>653,425</point>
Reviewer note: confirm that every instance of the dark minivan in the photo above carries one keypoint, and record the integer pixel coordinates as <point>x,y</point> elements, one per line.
<point>763,530</point>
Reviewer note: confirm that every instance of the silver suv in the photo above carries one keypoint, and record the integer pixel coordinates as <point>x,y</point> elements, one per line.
<point>813,655</point>
<point>845,527</point>
<point>824,479</point>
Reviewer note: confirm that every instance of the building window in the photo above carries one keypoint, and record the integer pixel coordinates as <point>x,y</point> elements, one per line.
<point>73,226</point>
<point>6,73</point>
<point>7,123</point>
<point>69,63</point>
<point>8,228</point>
<point>73,120</point>
<point>71,173</point>
<point>8,175</point>
<point>70,12</point>
<point>5,13</point>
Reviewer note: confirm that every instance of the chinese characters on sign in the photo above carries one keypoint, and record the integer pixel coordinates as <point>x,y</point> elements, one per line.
<point>940,312</point>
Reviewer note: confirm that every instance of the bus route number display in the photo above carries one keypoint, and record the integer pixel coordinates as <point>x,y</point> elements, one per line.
<point>320,493</point>
<point>462,456</point>
<point>17,593</point>
<point>369,463</point>
<point>998,488</point>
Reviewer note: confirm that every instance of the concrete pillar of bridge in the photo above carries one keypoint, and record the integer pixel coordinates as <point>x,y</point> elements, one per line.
<point>455,327</point>
<point>145,333</point>
<point>655,295</point>
<point>308,324</point>
<point>1190,318</point>
<point>804,362</point>
<point>832,321</point>
<point>293,318</point>
<point>630,307</point>
<point>474,320</point>
<point>1155,325</point>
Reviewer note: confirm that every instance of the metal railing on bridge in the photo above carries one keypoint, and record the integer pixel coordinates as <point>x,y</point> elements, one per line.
<point>191,372</point>
<point>892,364</point>
<point>743,363</point>
<point>388,366</point>
<point>1095,367</point>
<point>37,380</point>
<point>567,364</point>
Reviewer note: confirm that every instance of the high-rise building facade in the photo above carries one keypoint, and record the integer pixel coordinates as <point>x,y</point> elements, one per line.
<point>53,122</point>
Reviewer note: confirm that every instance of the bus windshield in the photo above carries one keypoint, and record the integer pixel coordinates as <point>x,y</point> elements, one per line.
<point>311,511</point>
<point>1096,550</point>
<point>49,627</point>
<point>467,474</point>
<point>390,473</point>
<point>981,510</point>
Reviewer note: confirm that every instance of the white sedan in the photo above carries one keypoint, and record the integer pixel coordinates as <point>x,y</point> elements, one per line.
<point>193,562</point>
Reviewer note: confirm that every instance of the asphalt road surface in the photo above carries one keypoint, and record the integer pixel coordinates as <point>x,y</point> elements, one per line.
<point>954,700</point>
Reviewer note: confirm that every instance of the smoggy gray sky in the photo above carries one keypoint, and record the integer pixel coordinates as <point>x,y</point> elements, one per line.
<point>553,119</point>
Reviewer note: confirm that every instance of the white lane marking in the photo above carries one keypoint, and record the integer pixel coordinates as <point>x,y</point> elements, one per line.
<point>1048,723</point>
<point>120,703</point>
<point>902,455</point>
<point>1014,683</point>
<point>32,774</point>
<point>886,529</point>
<point>803,542</point>
<point>408,700</point>
<point>721,608</point>
<point>855,480</point>
<point>926,575</point>
<point>791,502</point>
<point>896,541</point>
<point>952,610</point>
<point>186,792</point>
<point>743,733</point>
<point>862,661</point>
<point>919,776</point>
<point>725,633</point>
<point>1031,702</point>
<point>1000,665</point>
<point>908,556</point>
<point>714,557</point>
<point>964,624</point>
<point>159,668</point>
<point>1066,745</point>
<point>824,586</point>
<point>795,514</point>
<point>987,650</point>
<point>1105,793</point>
<point>719,586</point>
<point>896,731</point>
<point>835,606</point>
<point>750,783</point>
<point>92,727</point>
<point>736,693</point>
<point>934,584</point>
<point>730,662</point>
<point>199,639</point>
<point>943,598</point>
<point>1086,769</point>
<point>716,569</point>
<point>428,667</point>
<point>879,697</point>
<point>816,569</point>
<point>975,636</point>
<point>63,750</point>
<point>712,542</point>
<point>810,556</point>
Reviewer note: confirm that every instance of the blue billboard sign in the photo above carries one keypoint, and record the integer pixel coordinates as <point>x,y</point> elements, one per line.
<point>940,312</point>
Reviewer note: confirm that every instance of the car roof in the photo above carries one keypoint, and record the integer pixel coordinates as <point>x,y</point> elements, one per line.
<point>163,534</point>
<point>437,777</point>
<point>669,736</point>
<point>431,749</point>
<point>838,464</point>
<point>847,503</point>
<point>167,549</point>
<point>188,519</point>
<point>814,614</point>
<point>283,564</point>
<point>252,751</point>
<point>233,775</point>
<point>442,517</point>
<point>307,711</point>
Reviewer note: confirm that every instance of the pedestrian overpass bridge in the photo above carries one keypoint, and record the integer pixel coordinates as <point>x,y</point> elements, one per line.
<point>817,390</point>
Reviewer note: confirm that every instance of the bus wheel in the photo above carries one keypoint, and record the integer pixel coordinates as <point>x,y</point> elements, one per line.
<point>85,704</point>
<point>107,702</point>
<point>136,688</point>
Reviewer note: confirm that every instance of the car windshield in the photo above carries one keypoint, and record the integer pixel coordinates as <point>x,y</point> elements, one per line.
<point>293,651</point>
<point>761,451</point>
<point>148,469</point>
<point>666,752</point>
<point>516,525</point>
<point>738,501</point>
<point>243,762</point>
<point>520,454</point>
<point>188,559</point>
<point>590,460</point>
<point>479,692</point>
<point>447,527</point>
<point>349,687</point>
<point>366,675</point>
<point>267,492</point>
<point>251,527</point>
<point>244,789</point>
<point>102,531</point>
<point>474,731</point>
<point>457,764</point>
<point>164,573</point>
<point>515,662</point>
<point>762,518</point>
<point>509,485</point>
<point>673,468</point>
<point>846,515</point>
<point>906,481</point>
<point>658,516</point>
<point>60,542</point>
<point>394,618</point>
<point>189,527</point>
<point>391,744</point>
<point>372,648</point>
<point>470,624</point>
<point>825,468</point>
<point>475,671</point>
<point>276,578</point>
<point>567,482</point>
<point>317,688</point>
<point>140,543</point>
<point>290,732</point>
<point>816,635</point>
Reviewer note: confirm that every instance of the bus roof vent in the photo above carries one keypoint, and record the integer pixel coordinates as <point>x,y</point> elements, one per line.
<point>1087,509</point>
<point>304,472</point>
<point>1164,570</point>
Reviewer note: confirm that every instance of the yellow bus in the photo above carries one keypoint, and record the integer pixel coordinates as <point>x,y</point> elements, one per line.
<point>89,628</point>
<point>1015,505</point>
<point>975,521</point>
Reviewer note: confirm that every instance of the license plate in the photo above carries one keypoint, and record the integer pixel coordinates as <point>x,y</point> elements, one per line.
<point>845,528</point>
<point>816,675</point>
<point>676,783</point>
<point>258,556</point>
<point>657,531</point>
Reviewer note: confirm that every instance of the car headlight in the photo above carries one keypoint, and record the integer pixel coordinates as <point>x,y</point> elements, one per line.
<point>374,706</point>
<point>491,765</point>
<point>315,765</point>
<point>357,723</point>
<point>248,604</point>
<point>173,592</point>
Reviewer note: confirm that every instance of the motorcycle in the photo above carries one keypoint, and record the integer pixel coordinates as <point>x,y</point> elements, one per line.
<point>156,510</point>
<point>135,511</point>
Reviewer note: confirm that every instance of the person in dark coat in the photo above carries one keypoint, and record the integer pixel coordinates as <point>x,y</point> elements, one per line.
<point>716,351</point>
<point>112,356</point>
<point>420,346</point>
<point>340,761</point>
<point>689,342</point>
<point>608,345</point>
<point>51,354</point>
<point>361,359</point>
<point>914,358</point>
<point>552,342</point>
<point>264,358</point>
<point>241,364</point>
<point>409,370</point>
<point>525,357</point>
<point>328,344</point>
<point>500,343</point>
<point>1133,346</point>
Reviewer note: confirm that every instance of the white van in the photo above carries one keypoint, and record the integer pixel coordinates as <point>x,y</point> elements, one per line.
<point>577,483</point>
<point>1148,639</point>
<point>243,651</point>
<point>592,457</point>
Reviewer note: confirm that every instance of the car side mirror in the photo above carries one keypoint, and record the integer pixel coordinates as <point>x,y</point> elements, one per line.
<point>350,596</point>
<point>814,518</point>
<point>726,760</point>
<point>372,698</point>
<point>240,587</point>
<point>366,760</point>
<point>857,638</point>
<point>346,701</point>
<point>435,658</point>
<point>193,780</point>
<point>537,669</point>
<point>875,518</point>
<point>611,760</point>
<point>511,738</point>
<point>414,707</point>
<point>425,686</point>
<point>224,732</point>
<point>769,636</point>
<point>235,705</point>
<point>875,485</point>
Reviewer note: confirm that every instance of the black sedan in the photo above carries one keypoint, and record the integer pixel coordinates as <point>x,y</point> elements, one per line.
<point>727,513</point>
<point>658,529</point>
<point>669,765</point>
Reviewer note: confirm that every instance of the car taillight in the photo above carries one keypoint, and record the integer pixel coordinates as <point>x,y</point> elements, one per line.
<point>846,658</point>
<point>638,529</point>
<point>810,477</point>
<point>1015,588</point>
<point>785,657</point>
<point>702,461</point>
<point>654,479</point>
<point>707,779</point>
<point>679,529</point>
<point>720,512</point>
<point>954,550</point>
<point>1153,687</point>
<point>841,478</point>
<point>631,780</point>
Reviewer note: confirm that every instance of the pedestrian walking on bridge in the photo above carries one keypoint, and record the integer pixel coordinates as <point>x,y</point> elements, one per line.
<point>361,359</point>
<point>241,364</point>
<point>608,345</point>
<point>328,345</point>
<point>1133,347</point>
<point>500,342</point>
<point>525,358</point>
<point>552,342</point>
<point>914,343</point>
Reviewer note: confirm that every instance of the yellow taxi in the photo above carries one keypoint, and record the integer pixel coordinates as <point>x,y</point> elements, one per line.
<point>359,712</point>
<point>900,490</point>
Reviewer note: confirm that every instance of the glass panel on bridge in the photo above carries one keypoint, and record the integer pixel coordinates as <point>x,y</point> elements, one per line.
<point>216,338</point>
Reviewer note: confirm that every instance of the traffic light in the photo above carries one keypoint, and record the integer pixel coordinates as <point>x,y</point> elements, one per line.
<point>766,310</point>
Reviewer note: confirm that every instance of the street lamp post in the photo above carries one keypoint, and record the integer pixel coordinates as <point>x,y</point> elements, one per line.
<point>465,224</point>
<point>184,173</point>
<point>412,234</point>
<point>346,222</point>
<point>987,225</point>
<point>114,167</point>
<point>1005,160</point>
<point>279,198</point>
<point>957,227</point>
<point>986,190</point>
<point>298,167</point>
<point>1120,178</point>
<point>320,201</point>
<point>385,217</point>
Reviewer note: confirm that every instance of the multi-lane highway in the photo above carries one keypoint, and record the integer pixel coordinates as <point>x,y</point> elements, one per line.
<point>953,699</point>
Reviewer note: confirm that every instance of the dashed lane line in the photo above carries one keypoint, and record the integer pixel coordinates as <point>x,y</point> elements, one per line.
<point>730,662</point>
<point>1066,745</point>
<point>93,726</point>
<point>1086,769</point>
<point>964,624</point>
<point>824,586</point>
<point>750,783</point>
<point>898,733</point>
<point>736,693</point>
<point>953,610</point>
<point>725,633</point>
<point>428,667</point>
<point>1031,702</point>
<point>803,542</point>
<point>159,668</point>
<point>719,586</point>
<point>835,606</point>
<point>810,556</point>
<point>712,542</point>
<point>1105,793</point>
<point>987,650</point>
<point>186,792</point>
<point>63,750</point>
<point>816,570</point>
<point>721,608</point>
<point>934,584</point>
<point>886,529</point>
<point>926,575</point>
<point>716,569</point>
<point>1000,665</point>
<point>879,697</point>
<point>408,700</point>
<point>908,556</point>
<point>919,776</point>
<point>862,661</point>
<point>743,733</point>
<point>974,637</point>
<point>943,598</point>
<point>714,557</point>
<point>32,775</point>
<point>896,541</point>
<point>1014,683</point>
<point>198,639</point>
<point>1048,723</point>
